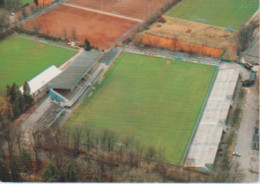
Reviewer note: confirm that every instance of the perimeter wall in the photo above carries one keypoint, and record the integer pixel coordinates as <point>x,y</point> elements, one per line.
<point>178,45</point>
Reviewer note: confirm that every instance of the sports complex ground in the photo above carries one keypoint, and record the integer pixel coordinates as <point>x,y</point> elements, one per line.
<point>188,36</point>
<point>100,23</point>
<point>155,99</point>
<point>22,59</point>
<point>201,26</point>
<point>224,13</point>
<point>98,28</point>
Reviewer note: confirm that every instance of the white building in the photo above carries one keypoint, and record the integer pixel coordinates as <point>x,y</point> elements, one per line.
<point>42,81</point>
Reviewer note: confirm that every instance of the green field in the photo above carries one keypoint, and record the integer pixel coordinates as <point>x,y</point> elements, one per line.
<point>22,59</point>
<point>26,1</point>
<point>224,13</point>
<point>154,99</point>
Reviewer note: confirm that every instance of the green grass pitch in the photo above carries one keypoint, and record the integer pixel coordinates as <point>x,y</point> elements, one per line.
<point>22,59</point>
<point>154,99</point>
<point>26,1</point>
<point>224,13</point>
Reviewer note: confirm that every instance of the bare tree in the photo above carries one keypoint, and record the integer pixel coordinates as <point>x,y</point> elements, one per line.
<point>236,173</point>
<point>4,22</point>
<point>18,140</point>
<point>36,145</point>
<point>74,34</point>
<point>10,136</point>
<point>76,136</point>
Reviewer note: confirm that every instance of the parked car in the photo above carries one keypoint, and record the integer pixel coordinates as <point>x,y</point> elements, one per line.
<point>247,66</point>
<point>236,154</point>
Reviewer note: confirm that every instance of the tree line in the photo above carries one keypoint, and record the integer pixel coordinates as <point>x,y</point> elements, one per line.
<point>19,102</point>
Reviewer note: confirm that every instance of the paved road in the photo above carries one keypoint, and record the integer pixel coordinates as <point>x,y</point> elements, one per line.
<point>103,12</point>
<point>245,134</point>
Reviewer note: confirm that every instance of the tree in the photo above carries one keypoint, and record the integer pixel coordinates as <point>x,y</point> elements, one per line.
<point>28,99</point>
<point>50,173</point>
<point>74,34</point>
<point>5,119</point>
<point>245,34</point>
<point>96,179</point>
<point>26,162</point>
<point>72,174</point>
<point>35,143</point>
<point>13,94</point>
<point>5,113</point>
<point>150,154</point>
<point>4,171</point>
<point>4,22</point>
<point>9,136</point>
<point>12,4</point>
<point>36,2</point>
<point>76,141</point>
<point>15,170</point>
<point>2,3</point>
<point>87,45</point>
<point>108,140</point>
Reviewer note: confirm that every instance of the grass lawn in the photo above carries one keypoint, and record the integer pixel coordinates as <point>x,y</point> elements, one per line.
<point>155,99</point>
<point>22,59</point>
<point>224,13</point>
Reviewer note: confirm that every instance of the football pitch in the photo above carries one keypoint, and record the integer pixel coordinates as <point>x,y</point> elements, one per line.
<point>223,13</point>
<point>154,99</point>
<point>22,59</point>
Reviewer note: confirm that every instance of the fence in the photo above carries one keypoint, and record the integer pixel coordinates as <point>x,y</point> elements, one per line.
<point>34,11</point>
<point>173,55</point>
<point>149,20</point>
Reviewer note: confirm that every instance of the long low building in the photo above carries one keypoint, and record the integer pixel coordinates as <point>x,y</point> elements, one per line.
<point>204,146</point>
<point>42,82</point>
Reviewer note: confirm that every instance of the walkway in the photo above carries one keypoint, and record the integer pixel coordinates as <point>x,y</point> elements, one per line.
<point>173,55</point>
<point>249,157</point>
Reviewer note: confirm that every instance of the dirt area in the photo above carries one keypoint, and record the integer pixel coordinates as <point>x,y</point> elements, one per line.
<point>99,29</point>
<point>213,40</point>
<point>132,8</point>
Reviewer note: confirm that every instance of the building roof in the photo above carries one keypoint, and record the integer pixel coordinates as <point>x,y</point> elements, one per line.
<point>42,79</point>
<point>76,70</point>
<point>208,135</point>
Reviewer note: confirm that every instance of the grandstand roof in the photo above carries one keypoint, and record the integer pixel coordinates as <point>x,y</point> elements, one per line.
<point>76,70</point>
<point>204,146</point>
<point>42,79</point>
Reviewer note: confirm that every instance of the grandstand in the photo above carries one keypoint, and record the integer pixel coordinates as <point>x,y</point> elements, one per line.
<point>71,83</point>
<point>204,146</point>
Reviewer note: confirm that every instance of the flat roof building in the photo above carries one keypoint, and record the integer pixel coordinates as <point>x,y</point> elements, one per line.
<point>42,81</point>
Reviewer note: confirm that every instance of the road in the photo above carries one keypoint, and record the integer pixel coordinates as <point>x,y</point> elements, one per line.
<point>249,157</point>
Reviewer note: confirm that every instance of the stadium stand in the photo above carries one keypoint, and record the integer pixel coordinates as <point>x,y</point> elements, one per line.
<point>204,146</point>
<point>77,78</point>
